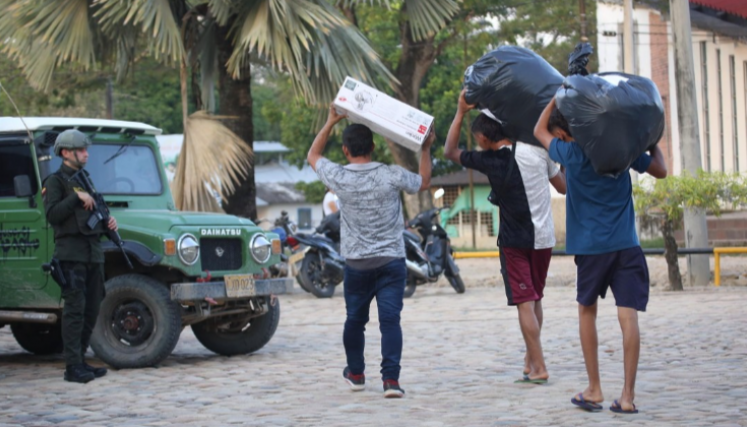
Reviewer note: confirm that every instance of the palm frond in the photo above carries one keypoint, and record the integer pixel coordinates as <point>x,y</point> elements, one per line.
<point>41,35</point>
<point>213,156</point>
<point>222,10</point>
<point>155,17</point>
<point>308,38</point>
<point>427,17</point>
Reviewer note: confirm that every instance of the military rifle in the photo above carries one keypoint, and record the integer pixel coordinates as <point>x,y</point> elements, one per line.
<point>100,212</point>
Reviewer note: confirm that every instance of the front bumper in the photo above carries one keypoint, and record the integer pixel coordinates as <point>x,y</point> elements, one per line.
<point>184,292</point>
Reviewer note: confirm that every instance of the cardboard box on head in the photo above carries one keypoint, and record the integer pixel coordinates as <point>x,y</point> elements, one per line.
<point>390,118</point>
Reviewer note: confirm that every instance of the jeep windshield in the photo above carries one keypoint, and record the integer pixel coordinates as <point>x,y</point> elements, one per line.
<point>134,171</point>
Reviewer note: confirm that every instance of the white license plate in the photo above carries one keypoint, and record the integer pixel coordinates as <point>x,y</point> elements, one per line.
<point>241,285</point>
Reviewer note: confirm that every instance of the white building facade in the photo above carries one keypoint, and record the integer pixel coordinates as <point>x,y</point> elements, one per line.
<point>720,59</point>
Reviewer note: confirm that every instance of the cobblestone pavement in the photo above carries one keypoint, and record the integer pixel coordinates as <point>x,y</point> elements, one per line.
<point>462,354</point>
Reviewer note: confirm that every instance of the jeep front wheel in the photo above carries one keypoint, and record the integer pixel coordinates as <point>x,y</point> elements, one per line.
<point>229,338</point>
<point>138,324</point>
<point>38,338</point>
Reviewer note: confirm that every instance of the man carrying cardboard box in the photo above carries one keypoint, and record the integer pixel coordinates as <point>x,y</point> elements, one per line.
<point>371,228</point>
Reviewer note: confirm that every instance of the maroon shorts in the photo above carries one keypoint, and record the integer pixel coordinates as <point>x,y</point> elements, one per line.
<point>524,272</point>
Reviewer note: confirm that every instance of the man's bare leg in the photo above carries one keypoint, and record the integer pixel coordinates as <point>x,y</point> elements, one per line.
<point>628,318</point>
<point>530,329</point>
<point>587,328</point>
<point>540,317</point>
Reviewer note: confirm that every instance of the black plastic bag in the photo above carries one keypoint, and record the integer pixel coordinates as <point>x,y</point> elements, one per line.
<point>515,84</point>
<point>579,58</point>
<point>614,117</point>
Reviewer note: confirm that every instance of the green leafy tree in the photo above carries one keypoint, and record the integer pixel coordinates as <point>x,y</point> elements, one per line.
<point>551,28</point>
<point>663,203</point>
<point>313,191</point>
<point>308,39</point>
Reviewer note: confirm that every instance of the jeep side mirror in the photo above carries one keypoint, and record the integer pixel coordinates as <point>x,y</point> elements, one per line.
<point>22,188</point>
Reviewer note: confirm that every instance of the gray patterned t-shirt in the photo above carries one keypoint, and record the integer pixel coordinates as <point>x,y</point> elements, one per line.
<point>371,220</point>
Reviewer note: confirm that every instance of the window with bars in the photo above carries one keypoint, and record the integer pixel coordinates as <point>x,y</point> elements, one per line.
<point>734,129</point>
<point>486,222</point>
<point>455,220</point>
<point>706,123</point>
<point>450,195</point>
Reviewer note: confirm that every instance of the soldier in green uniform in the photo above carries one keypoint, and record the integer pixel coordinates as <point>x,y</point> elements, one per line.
<point>78,249</point>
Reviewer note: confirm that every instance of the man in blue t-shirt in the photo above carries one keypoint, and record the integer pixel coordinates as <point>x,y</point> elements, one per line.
<point>600,232</point>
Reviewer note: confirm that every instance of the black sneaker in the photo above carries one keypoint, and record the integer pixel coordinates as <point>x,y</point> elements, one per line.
<point>392,389</point>
<point>356,382</point>
<point>78,374</point>
<point>97,372</point>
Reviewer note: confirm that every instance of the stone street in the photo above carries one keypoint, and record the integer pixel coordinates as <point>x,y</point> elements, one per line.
<point>462,354</point>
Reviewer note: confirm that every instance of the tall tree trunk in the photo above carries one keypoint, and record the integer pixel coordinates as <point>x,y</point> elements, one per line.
<point>415,60</point>
<point>236,102</point>
<point>670,254</point>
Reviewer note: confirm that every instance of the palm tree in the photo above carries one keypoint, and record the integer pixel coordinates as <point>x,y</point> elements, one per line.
<point>309,39</point>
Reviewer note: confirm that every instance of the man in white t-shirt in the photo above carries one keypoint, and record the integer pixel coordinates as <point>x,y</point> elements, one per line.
<point>520,176</point>
<point>331,203</point>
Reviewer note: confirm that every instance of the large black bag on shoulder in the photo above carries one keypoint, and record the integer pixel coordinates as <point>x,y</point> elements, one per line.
<point>515,84</point>
<point>614,117</point>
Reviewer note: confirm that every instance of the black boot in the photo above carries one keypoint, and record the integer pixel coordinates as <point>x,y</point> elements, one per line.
<point>97,372</point>
<point>78,374</point>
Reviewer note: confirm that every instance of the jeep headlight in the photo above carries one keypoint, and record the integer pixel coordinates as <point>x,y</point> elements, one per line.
<point>188,249</point>
<point>261,248</point>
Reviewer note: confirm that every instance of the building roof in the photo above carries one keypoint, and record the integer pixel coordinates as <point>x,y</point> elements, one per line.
<point>735,7</point>
<point>283,172</point>
<point>15,124</point>
<point>459,178</point>
<point>710,22</point>
<point>272,193</point>
<point>270,147</point>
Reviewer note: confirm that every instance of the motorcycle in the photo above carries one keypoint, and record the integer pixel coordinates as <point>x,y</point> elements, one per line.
<point>429,254</point>
<point>284,227</point>
<point>322,268</point>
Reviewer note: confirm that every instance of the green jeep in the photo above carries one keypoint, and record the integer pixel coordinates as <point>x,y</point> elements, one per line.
<point>208,271</point>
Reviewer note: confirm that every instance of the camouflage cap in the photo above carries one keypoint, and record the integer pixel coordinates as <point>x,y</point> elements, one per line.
<point>71,138</point>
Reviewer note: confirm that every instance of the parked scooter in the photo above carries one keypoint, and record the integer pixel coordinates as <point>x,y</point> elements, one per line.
<point>429,254</point>
<point>323,267</point>
<point>284,227</point>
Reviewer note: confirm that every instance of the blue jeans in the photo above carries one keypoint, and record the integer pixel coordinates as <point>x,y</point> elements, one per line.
<point>387,284</point>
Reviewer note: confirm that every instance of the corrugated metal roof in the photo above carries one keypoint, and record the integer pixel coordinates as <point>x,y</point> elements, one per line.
<point>270,147</point>
<point>273,193</point>
<point>736,7</point>
<point>459,178</point>
<point>708,22</point>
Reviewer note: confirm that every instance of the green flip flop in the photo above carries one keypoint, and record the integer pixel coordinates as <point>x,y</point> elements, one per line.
<point>527,380</point>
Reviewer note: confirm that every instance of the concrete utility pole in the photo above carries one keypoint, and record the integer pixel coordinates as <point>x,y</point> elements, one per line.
<point>582,13</point>
<point>629,68</point>
<point>628,57</point>
<point>696,230</point>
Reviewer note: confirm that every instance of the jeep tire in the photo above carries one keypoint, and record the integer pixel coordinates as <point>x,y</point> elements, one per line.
<point>38,338</point>
<point>138,324</point>
<point>240,339</point>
